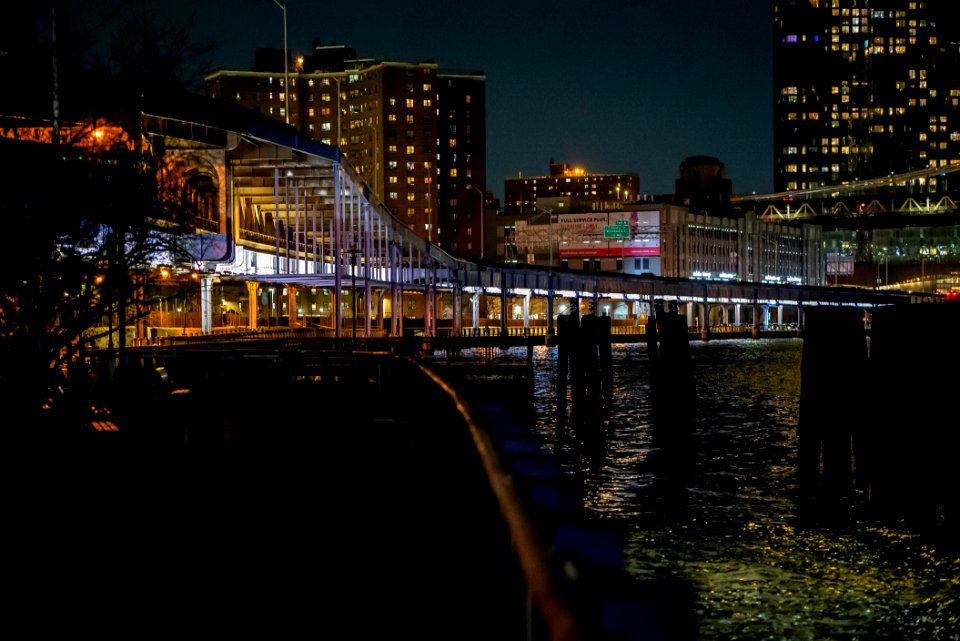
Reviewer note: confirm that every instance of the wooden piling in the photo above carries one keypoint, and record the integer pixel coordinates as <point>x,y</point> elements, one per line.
<point>584,366</point>
<point>910,469</point>
<point>832,370</point>
<point>605,359</point>
<point>589,364</point>
<point>566,336</point>
<point>673,386</point>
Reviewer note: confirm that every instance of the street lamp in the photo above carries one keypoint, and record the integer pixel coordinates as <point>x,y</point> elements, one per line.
<point>550,240</point>
<point>483,227</point>
<point>354,251</point>
<point>286,57</point>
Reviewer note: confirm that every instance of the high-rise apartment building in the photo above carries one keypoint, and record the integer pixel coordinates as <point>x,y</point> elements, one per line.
<point>570,183</point>
<point>414,132</point>
<point>864,89</point>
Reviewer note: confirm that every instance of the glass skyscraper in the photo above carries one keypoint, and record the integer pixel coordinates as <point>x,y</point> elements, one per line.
<point>864,89</point>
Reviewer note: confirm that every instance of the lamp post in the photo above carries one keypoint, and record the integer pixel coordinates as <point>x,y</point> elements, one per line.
<point>286,58</point>
<point>550,238</point>
<point>483,226</point>
<point>353,251</point>
<point>549,213</point>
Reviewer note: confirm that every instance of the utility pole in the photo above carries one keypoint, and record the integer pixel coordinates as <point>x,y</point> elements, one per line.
<point>286,63</point>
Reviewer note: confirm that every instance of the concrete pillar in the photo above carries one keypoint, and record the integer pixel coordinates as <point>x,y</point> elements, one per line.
<point>503,304</point>
<point>253,304</point>
<point>206,304</point>
<point>457,311</point>
<point>292,306</point>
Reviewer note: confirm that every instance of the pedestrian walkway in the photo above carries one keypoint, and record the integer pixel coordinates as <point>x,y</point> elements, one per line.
<point>291,495</point>
<point>321,504</point>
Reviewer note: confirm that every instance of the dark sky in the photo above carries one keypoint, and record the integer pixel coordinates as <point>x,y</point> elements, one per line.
<point>612,85</point>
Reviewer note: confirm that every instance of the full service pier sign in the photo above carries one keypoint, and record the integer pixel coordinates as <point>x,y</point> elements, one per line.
<point>599,235</point>
<point>614,234</point>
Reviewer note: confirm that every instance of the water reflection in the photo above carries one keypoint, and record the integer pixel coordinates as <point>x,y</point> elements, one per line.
<point>720,511</point>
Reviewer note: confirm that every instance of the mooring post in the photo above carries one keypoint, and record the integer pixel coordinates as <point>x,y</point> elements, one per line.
<point>605,356</point>
<point>565,337</point>
<point>829,412</point>
<point>672,382</point>
<point>911,467</point>
<point>577,356</point>
<point>589,367</point>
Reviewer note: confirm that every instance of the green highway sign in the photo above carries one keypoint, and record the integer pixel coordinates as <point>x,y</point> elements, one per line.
<point>616,231</point>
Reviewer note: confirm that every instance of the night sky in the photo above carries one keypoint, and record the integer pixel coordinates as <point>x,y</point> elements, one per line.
<point>612,85</point>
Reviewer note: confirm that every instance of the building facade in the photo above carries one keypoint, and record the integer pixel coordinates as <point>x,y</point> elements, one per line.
<point>864,90</point>
<point>416,134</point>
<point>525,195</point>
<point>663,239</point>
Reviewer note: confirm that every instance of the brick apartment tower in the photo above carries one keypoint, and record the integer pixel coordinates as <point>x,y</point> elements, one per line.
<point>414,132</point>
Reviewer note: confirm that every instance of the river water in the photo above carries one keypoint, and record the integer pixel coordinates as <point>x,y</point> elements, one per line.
<point>724,519</point>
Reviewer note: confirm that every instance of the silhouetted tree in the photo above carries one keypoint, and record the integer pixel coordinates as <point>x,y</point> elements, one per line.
<point>88,206</point>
